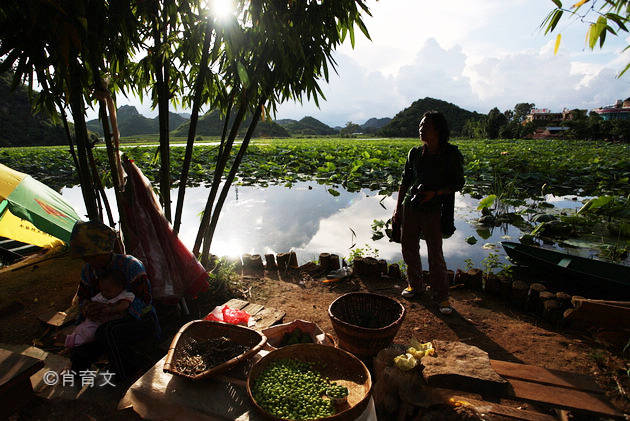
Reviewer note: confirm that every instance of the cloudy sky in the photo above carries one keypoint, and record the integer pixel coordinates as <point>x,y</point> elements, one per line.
<point>477,54</point>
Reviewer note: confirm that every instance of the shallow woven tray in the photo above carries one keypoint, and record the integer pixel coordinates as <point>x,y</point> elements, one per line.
<point>205,330</point>
<point>340,366</point>
<point>275,333</point>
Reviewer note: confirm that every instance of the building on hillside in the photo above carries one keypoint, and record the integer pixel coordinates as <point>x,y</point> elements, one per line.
<point>619,111</point>
<point>542,114</point>
<point>550,132</point>
<point>574,114</point>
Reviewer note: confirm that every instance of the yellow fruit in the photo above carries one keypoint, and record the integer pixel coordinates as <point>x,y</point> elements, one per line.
<point>405,362</point>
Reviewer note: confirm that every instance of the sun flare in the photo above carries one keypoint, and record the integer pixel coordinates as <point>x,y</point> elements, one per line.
<point>228,247</point>
<point>221,9</point>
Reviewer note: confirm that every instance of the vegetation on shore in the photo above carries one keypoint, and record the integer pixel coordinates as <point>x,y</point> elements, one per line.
<point>587,168</point>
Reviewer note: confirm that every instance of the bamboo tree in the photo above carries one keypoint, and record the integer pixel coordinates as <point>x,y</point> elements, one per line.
<point>270,57</point>
<point>218,173</point>
<point>207,240</point>
<point>162,70</point>
<point>66,127</point>
<point>267,52</point>
<point>56,41</point>
<point>162,32</point>
<point>80,134</point>
<point>192,128</point>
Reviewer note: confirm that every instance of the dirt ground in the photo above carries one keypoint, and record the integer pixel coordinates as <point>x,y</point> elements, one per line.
<point>34,287</point>
<point>479,320</point>
<point>486,322</point>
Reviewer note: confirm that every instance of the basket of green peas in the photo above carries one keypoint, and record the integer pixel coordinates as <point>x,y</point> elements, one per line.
<point>308,382</point>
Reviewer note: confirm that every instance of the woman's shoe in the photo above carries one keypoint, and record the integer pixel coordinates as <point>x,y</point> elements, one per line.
<point>445,307</point>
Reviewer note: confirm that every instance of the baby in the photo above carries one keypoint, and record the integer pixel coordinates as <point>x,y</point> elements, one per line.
<point>113,293</point>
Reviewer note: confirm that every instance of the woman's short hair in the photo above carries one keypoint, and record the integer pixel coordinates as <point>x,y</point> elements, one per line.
<point>439,122</point>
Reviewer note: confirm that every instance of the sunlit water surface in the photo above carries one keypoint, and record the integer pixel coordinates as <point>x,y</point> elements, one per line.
<point>306,218</point>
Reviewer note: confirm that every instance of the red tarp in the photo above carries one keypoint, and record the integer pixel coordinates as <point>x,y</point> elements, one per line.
<point>171,267</point>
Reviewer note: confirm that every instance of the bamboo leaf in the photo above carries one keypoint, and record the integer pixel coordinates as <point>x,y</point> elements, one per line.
<point>557,46</point>
<point>624,71</point>
<point>363,29</point>
<point>596,31</point>
<point>578,4</point>
<point>242,74</point>
<point>618,20</point>
<point>593,35</point>
<point>555,18</point>
<point>351,31</point>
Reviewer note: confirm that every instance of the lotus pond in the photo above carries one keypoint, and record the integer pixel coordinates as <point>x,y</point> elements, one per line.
<point>316,195</point>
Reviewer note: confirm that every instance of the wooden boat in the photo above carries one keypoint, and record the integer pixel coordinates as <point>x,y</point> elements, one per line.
<point>601,313</point>
<point>589,272</point>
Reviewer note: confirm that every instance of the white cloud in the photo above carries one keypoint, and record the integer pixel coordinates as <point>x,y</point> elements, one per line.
<point>475,83</point>
<point>436,72</point>
<point>477,55</point>
<point>356,94</point>
<point>548,80</point>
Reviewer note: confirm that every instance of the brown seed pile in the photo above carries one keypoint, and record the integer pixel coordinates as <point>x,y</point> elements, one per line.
<point>199,356</point>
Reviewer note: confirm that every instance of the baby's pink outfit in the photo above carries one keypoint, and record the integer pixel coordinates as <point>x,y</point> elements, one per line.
<point>85,331</point>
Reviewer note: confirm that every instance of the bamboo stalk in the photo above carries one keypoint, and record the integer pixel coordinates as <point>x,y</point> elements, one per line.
<point>218,172</point>
<point>100,189</point>
<point>80,131</point>
<point>207,241</point>
<point>113,154</point>
<point>192,129</point>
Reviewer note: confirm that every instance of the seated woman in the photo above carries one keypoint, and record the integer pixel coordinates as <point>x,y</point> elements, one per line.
<point>128,327</point>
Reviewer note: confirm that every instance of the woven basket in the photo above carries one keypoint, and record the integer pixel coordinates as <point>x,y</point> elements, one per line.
<point>365,323</point>
<point>205,330</point>
<point>276,333</point>
<point>338,365</point>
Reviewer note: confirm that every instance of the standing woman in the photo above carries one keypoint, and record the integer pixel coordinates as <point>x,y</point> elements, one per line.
<point>425,208</point>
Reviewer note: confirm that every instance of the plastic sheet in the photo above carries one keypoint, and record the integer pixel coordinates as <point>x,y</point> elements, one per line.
<point>171,267</point>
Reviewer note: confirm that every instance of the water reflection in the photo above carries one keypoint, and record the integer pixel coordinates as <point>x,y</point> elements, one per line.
<point>308,219</point>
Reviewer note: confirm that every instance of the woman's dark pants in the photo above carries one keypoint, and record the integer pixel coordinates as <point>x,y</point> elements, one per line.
<point>121,339</point>
<point>414,222</point>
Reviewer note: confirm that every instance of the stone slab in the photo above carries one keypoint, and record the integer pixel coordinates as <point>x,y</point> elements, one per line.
<point>457,365</point>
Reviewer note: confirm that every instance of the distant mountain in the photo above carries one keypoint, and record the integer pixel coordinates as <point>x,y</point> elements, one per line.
<point>174,121</point>
<point>211,124</point>
<point>373,124</point>
<point>131,122</point>
<point>405,123</point>
<point>284,121</point>
<point>306,126</point>
<point>18,125</point>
